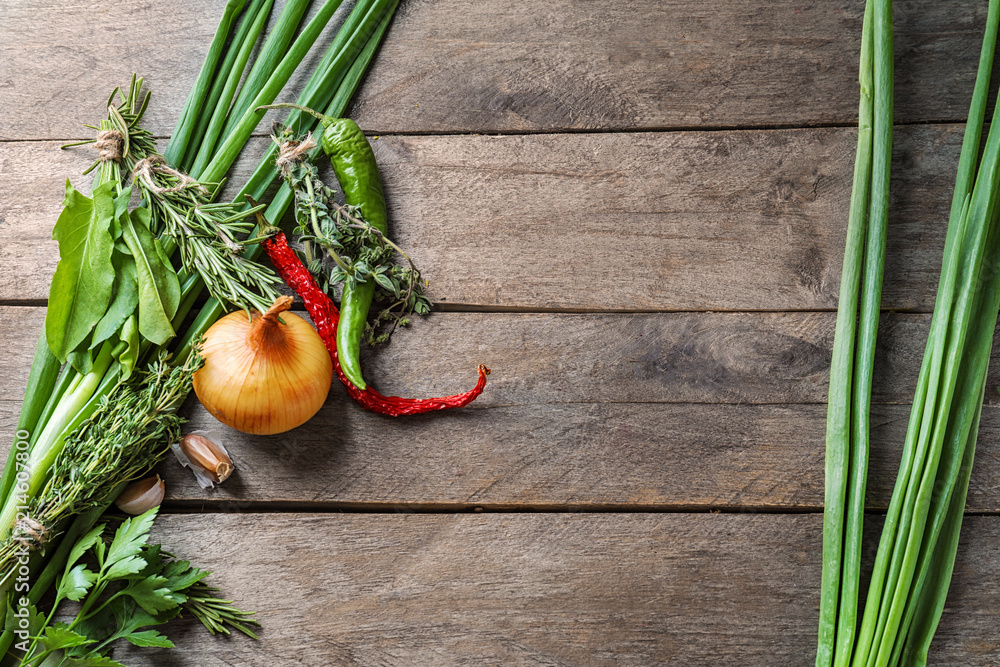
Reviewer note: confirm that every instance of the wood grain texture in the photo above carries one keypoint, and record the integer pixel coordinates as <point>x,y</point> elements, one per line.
<point>543,589</point>
<point>466,66</point>
<point>652,413</point>
<point>577,455</point>
<point>64,59</point>
<point>553,358</point>
<point>741,220</point>
<point>640,411</point>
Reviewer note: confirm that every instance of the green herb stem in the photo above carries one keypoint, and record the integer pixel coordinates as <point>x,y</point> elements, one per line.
<point>213,125</point>
<point>178,144</point>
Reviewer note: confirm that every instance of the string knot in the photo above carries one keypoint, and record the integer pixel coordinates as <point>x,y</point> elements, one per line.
<point>147,169</point>
<point>30,533</point>
<point>109,145</point>
<point>291,152</point>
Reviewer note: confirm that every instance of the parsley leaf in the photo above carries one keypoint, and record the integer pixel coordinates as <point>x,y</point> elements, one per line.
<point>74,584</point>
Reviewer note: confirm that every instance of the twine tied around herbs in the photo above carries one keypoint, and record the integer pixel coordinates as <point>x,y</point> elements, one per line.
<point>291,151</point>
<point>29,533</point>
<point>109,145</point>
<point>146,168</point>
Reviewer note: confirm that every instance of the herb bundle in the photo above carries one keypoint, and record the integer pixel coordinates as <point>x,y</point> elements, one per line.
<point>122,298</point>
<point>131,430</point>
<point>125,587</point>
<point>342,249</point>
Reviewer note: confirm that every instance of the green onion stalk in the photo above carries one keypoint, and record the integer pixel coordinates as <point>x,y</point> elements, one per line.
<point>919,539</point>
<point>847,436</point>
<point>59,397</point>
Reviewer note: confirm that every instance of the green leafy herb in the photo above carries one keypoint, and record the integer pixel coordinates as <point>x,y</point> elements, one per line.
<point>129,433</point>
<point>210,235</point>
<point>341,248</point>
<point>81,286</point>
<point>124,298</point>
<point>129,357</point>
<point>125,588</point>
<point>159,289</point>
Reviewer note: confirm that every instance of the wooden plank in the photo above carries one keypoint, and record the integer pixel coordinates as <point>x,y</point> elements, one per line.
<point>65,59</point>
<point>731,358</point>
<point>704,420</point>
<point>585,455</point>
<point>742,220</point>
<point>543,589</point>
<point>466,66</point>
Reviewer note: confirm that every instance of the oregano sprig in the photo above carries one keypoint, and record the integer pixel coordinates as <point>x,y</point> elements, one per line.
<point>341,248</point>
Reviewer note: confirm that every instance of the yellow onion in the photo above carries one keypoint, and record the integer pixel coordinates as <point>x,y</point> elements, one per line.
<point>264,375</point>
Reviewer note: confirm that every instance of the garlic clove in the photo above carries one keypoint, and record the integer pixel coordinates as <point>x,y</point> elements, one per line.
<point>141,495</point>
<point>206,456</point>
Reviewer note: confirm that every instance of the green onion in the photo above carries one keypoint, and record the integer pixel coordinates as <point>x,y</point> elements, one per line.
<point>850,373</point>
<point>919,539</point>
<point>272,54</point>
<point>42,382</point>
<point>224,87</point>
<point>357,32</point>
<point>237,139</point>
<point>195,101</point>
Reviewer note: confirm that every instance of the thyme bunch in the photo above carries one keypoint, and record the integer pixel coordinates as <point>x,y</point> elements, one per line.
<point>129,433</point>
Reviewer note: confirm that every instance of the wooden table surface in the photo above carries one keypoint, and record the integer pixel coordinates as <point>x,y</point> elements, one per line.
<point>634,212</point>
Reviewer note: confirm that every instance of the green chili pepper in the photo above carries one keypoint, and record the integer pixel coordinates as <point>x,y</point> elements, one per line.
<point>357,172</point>
<point>354,164</point>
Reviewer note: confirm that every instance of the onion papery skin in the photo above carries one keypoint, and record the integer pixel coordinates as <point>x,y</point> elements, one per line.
<point>263,376</point>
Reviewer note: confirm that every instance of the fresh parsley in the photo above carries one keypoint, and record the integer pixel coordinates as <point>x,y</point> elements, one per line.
<point>125,588</point>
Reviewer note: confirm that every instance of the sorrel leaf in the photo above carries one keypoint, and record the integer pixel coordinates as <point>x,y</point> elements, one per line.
<point>159,290</point>
<point>81,287</point>
<point>124,299</point>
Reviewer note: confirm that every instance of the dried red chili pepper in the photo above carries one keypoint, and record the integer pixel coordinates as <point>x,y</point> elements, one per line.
<point>325,316</point>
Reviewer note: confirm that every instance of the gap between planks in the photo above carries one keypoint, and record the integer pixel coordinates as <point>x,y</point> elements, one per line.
<point>759,127</point>
<point>376,508</point>
<point>444,307</point>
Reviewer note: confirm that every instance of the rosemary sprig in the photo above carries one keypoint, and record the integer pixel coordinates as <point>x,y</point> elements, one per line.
<point>121,141</point>
<point>341,248</point>
<point>208,234</point>
<point>181,208</point>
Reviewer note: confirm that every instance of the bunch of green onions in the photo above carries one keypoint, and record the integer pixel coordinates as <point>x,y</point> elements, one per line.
<point>218,119</point>
<point>919,540</point>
